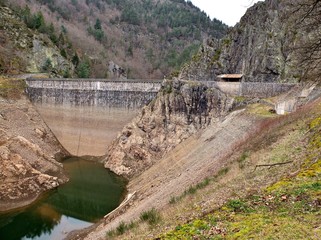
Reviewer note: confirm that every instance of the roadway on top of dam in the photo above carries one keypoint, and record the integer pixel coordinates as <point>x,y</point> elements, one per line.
<point>250,89</point>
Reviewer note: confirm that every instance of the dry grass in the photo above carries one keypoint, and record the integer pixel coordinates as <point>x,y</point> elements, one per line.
<point>276,139</point>
<point>11,88</point>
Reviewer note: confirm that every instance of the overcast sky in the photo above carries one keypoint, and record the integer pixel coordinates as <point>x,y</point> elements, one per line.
<point>228,11</point>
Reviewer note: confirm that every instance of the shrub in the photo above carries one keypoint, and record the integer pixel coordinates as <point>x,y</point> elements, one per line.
<point>237,205</point>
<point>152,217</point>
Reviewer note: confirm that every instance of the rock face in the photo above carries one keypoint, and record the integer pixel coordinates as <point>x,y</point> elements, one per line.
<point>115,71</point>
<point>262,46</point>
<point>28,151</point>
<point>180,109</point>
<point>26,51</point>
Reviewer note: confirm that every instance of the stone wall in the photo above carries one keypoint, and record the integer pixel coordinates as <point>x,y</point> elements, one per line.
<point>89,92</point>
<point>131,94</point>
<point>251,89</point>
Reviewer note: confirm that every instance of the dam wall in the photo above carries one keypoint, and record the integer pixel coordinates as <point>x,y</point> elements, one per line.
<point>87,114</point>
<point>132,94</point>
<point>251,89</point>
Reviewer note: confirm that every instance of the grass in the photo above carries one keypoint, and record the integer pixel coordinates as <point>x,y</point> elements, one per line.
<point>11,88</point>
<point>241,161</point>
<point>152,217</point>
<point>121,229</point>
<point>261,110</point>
<point>194,188</point>
<point>288,209</point>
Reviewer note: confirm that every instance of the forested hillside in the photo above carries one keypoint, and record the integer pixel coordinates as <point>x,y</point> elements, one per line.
<point>113,38</point>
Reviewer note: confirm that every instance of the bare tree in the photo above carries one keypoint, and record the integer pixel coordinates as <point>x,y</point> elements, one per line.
<point>308,14</point>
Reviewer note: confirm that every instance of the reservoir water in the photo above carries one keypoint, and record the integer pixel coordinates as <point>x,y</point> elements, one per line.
<point>91,193</point>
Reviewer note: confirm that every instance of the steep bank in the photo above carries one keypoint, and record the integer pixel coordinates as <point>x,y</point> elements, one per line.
<point>180,109</point>
<point>28,152</point>
<point>230,159</point>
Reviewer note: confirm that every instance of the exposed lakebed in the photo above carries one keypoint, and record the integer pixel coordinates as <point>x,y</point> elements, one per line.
<point>91,193</point>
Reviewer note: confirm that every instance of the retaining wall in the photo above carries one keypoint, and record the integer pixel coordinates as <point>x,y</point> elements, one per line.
<point>251,89</point>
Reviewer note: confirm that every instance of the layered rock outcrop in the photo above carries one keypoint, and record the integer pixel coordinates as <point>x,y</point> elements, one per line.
<point>28,154</point>
<point>263,46</point>
<point>180,109</point>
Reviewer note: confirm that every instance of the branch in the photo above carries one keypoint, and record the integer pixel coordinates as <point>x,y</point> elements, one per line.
<point>272,165</point>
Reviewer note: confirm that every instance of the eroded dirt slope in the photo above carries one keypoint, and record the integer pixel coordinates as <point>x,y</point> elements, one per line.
<point>28,153</point>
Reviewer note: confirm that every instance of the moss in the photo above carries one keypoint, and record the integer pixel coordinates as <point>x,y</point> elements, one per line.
<point>240,99</point>
<point>226,42</point>
<point>196,57</point>
<point>261,110</point>
<point>11,88</point>
<point>315,123</point>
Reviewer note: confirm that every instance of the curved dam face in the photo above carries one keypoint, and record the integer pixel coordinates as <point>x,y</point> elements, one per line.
<point>86,115</point>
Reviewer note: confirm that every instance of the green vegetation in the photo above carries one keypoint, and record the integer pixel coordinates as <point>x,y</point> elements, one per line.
<point>193,189</point>
<point>11,88</point>
<point>144,36</point>
<point>176,60</point>
<point>288,209</point>
<point>152,217</point>
<point>242,159</point>
<point>47,66</point>
<point>97,32</point>
<point>121,229</point>
<point>3,2</point>
<point>83,69</point>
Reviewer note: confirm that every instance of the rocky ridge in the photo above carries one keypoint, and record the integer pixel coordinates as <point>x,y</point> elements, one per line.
<point>180,109</point>
<point>28,153</point>
<point>23,50</point>
<point>263,46</point>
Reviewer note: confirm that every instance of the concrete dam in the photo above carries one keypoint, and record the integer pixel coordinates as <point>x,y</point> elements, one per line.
<point>130,94</point>
<point>86,114</point>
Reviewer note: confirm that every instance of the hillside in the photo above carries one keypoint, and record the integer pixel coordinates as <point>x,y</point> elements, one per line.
<point>246,173</point>
<point>138,39</point>
<point>29,152</point>
<point>25,50</point>
<point>275,41</point>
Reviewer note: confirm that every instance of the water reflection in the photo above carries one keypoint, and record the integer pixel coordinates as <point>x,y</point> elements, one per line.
<point>91,193</point>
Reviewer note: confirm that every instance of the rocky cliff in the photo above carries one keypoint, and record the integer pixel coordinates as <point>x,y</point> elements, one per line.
<point>180,109</point>
<point>28,153</point>
<point>263,46</point>
<point>24,50</point>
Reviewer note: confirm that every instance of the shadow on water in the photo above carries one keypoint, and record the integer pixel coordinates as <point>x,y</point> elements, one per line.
<point>91,193</point>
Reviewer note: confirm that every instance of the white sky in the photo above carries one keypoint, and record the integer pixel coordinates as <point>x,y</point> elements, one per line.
<point>228,11</point>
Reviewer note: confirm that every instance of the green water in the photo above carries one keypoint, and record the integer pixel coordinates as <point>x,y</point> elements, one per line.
<point>91,193</point>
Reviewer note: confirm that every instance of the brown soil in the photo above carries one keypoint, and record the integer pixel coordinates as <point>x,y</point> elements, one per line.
<point>28,153</point>
<point>200,156</point>
<point>203,155</point>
